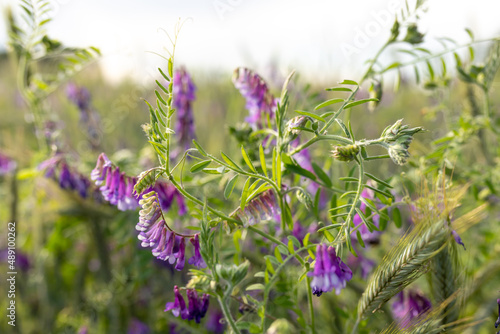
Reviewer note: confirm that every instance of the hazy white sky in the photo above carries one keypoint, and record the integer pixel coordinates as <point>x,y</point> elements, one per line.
<point>319,37</point>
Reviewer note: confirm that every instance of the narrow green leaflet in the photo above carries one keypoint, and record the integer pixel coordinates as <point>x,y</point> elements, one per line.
<point>247,160</point>
<point>278,169</point>
<point>358,102</point>
<point>199,148</point>
<point>158,96</point>
<point>228,190</point>
<point>229,161</point>
<point>305,113</point>
<point>322,175</point>
<point>376,179</point>
<point>163,74</point>
<point>200,165</point>
<point>371,227</point>
<point>244,193</point>
<point>301,171</point>
<point>349,82</point>
<point>262,160</point>
<point>327,103</point>
<point>339,89</point>
<point>396,216</point>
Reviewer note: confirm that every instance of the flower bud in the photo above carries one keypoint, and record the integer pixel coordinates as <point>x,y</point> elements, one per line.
<point>345,153</point>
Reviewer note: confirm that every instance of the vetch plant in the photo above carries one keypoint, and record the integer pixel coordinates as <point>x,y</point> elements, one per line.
<point>295,204</point>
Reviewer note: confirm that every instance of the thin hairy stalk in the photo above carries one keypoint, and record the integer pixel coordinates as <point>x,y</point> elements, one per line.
<point>310,304</point>
<point>403,265</point>
<point>444,281</point>
<point>227,314</point>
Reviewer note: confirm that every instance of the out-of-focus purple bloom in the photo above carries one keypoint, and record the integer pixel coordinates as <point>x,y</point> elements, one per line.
<point>367,236</point>
<point>136,326</point>
<point>214,324</point>
<point>300,231</point>
<point>364,264</point>
<point>260,102</point>
<point>57,168</point>
<point>21,259</point>
<point>184,95</point>
<point>330,272</point>
<point>196,260</point>
<point>303,158</point>
<point>7,165</point>
<point>80,96</point>
<point>178,307</point>
<point>261,208</point>
<point>198,307</point>
<point>409,306</point>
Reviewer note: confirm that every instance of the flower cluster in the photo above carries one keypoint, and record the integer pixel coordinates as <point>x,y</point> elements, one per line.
<point>330,272</point>
<point>260,102</point>
<point>118,189</point>
<point>397,139</point>
<point>198,306</point>
<point>261,208</point>
<point>57,168</point>
<point>166,244</point>
<point>371,237</point>
<point>409,306</point>
<point>184,95</point>
<point>7,165</point>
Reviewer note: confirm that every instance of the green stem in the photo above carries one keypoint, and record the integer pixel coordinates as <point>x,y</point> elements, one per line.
<point>310,303</point>
<point>317,138</point>
<point>227,313</point>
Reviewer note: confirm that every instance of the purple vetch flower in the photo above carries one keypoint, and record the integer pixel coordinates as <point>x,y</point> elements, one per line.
<point>178,307</point>
<point>196,260</point>
<point>198,307</point>
<point>184,95</point>
<point>101,170</point>
<point>409,306</point>
<point>367,236</point>
<point>165,244</point>
<point>261,208</point>
<point>260,102</point>
<point>116,187</point>
<point>136,326</point>
<point>180,255</point>
<point>330,272</point>
<point>7,165</point>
